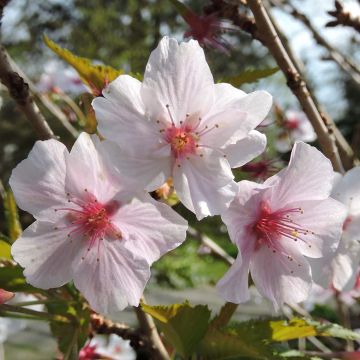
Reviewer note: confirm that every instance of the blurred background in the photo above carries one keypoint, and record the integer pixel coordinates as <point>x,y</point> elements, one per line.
<point>122,34</point>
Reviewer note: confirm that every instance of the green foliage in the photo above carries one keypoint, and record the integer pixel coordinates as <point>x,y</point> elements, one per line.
<point>182,324</point>
<point>12,279</point>
<point>5,250</point>
<point>11,216</point>
<point>184,267</point>
<point>71,336</point>
<point>181,8</point>
<point>251,76</point>
<point>95,76</point>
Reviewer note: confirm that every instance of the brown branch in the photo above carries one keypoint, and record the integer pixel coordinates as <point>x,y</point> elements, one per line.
<point>147,325</point>
<point>19,91</point>
<point>344,62</point>
<point>343,17</point>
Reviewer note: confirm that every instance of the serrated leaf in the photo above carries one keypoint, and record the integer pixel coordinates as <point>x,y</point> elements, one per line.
<point>251,76</point>
<point>11,216</point>
<point>183,325</point>
<point>5,250</point>
<point>296,328</point>
<point>95,76</point>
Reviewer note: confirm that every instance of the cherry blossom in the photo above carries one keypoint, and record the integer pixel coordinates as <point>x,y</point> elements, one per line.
<point>344,267</point>
<point>5,296</point>
<point>90,227</point>
<point>278,225</point>
<point>177,123</point>
<point>294,126</point>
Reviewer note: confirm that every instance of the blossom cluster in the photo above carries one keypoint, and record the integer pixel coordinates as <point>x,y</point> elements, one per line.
<point>97,225</point>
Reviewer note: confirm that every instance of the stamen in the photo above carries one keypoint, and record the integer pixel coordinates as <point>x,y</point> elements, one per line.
<point>171,118</point>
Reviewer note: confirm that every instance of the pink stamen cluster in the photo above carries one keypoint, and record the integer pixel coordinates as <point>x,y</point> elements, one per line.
<point>271,225</point>
<point>91,219</point>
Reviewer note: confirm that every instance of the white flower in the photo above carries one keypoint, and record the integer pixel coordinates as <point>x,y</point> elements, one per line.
<point>278,225</point>
<point>177,123</point>
<point>90,227</point>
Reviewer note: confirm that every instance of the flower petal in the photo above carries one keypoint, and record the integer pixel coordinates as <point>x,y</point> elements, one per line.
<point>177,75</point>
<point>309,176</point>
<point>149,171</point>
<point>245,149</point>
<point>121,116</point>
<point>234,287</point>
<point>146,237</point>
<point>278,278</point>
<point>111,277</point>
<point>325,219</point>
<point>204,183</point>
<point>38,182</point>
<point>46,254</point>
<point>86,171</point>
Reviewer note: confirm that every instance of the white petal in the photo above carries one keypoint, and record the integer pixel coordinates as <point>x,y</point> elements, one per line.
<point>204,184</point>
<point>352,228</point>
<point>38,182</point>
<point>150,229</point>
<point>121,116</point>
<point>245,149</point>
<point>309,176</point>
<point>226,96</point>
<point>177,75</point>
<point>278,278</point>
<point>46,254</point>
<point>115,281</point>
<point>86,171</point>
<point>149,171</point>
<point>345,264</point>
<point>233,287</point>
<point>325,218</point>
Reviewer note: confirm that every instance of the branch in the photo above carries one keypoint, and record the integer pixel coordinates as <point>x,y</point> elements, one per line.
<point>19,91</point>
<point>343,17</point>
<point>271,38</point>
<point>344,62</point>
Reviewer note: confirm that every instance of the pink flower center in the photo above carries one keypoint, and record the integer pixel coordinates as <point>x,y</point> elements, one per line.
<point>347,222</point>
<point>291,124</point>
<point>91,219</point>
<point>182,141</point>
<point>272,225</point>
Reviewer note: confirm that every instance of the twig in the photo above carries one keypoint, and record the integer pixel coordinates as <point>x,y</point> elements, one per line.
<point>343,17</point>
<point>344,62</point>
<point>215,248</point>
<point>147,325</point>
<point>19,91</point>
<point>296,83</point>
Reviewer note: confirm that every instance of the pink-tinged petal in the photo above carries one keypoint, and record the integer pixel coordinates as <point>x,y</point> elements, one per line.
<point>149,171</point>
<point>279,279</point>
<point>243,212</point>
<point>245,149</point>
<point>38,182</point>
<point>347,190</point>
<point>309,176</point>
<point>111,277</point>
<point>324,221</point>
<point>204,183</point>
<point>46,254</point>
<point>86,171</point>
<point>150,229</point>
<point>345,265</point>
<point>177,75</point>
<point>234,287</point>
<point>121,116</point>
<point>5,296</point>
<point>352,227</point>
<point>256,104</point>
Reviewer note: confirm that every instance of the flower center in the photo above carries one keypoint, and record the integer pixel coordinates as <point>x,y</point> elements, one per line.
<point>182,141</point>
<point>272,225</point>
<point>91,219</point>
<point>291,124</point>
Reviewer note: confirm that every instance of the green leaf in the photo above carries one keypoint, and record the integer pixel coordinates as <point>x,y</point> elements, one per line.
<point>251,76</point>
<point>11,216</point>
<point>12,279</point>
<point>71,336</point>
<point>181,8</point>
<point>183,325</point>
<point>5,250</point>
<point>95,76</point>
<point>296,328</point>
